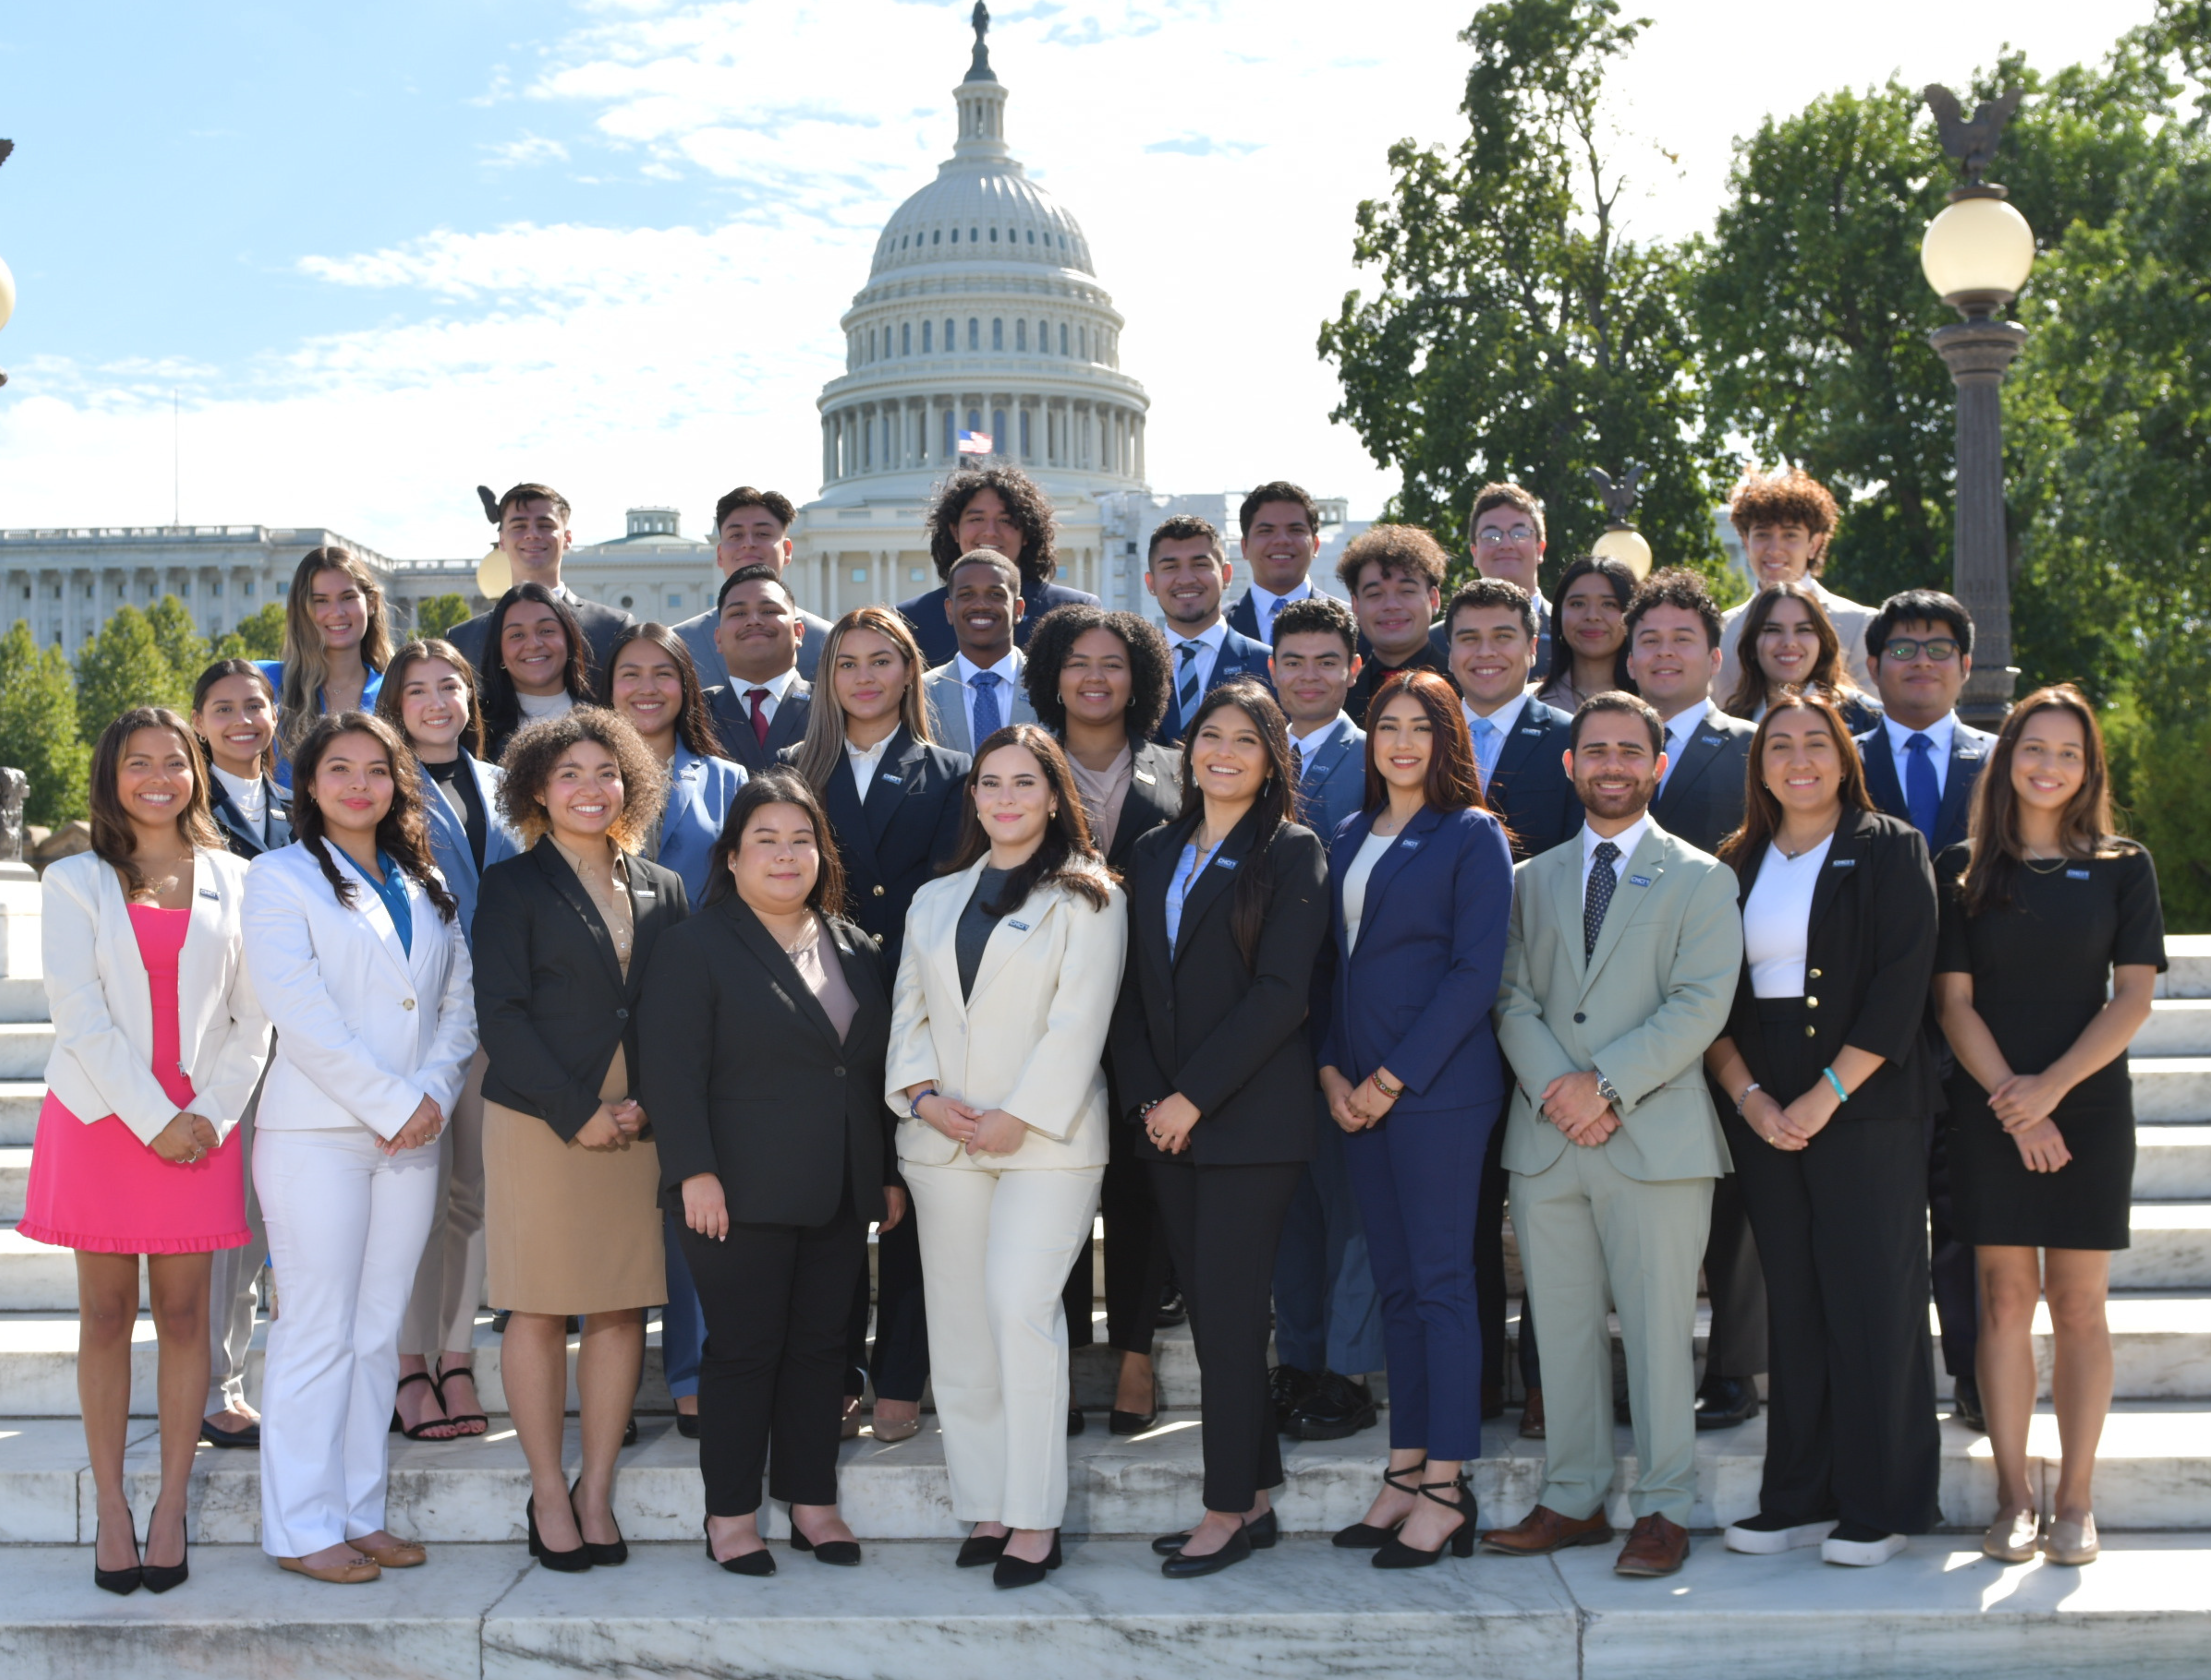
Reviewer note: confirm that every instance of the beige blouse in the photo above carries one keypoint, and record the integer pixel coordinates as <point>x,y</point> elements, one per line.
<point>609,894</point>
<point>1102,793</point>
<point>815,959</point>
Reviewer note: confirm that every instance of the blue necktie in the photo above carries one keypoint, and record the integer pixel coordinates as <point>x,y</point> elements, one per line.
<point>1276,611</point>
<point>1921,793</point>
<point>1308,791</point>
<point>1486,741</point>
<point>1186,698</point>
<point>989,718</point>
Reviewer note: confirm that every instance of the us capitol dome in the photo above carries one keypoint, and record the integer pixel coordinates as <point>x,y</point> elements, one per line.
<point>982,314</point>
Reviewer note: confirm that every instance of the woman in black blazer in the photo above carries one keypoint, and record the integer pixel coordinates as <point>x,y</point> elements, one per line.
<point>892,800</point>
<point>1828,1064</point>
<point>564,936</point>
<point>1099,682</point>
<point>1227,908</point>
<point>234,715</point>
<point>766,1024</point>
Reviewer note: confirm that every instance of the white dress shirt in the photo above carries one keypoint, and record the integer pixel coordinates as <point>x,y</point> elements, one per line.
<point>1504,720</point>
<point>1777,920</point>
<point>1263,607</point>
<point>1679,728</point>
<point>1009,671</point>
<point>1942,732</point>
<point>1207,642</point>
<point>534,706</point>
<point>777,685</point>
<point>866,760</point>
<point>1628,839</point>
<point>251,798</point>
<point>1310,743</point>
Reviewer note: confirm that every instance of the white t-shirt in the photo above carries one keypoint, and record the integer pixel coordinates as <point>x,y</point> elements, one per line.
<point>1354,883</point>
<point>545,706</point>
<point>1777,920</point>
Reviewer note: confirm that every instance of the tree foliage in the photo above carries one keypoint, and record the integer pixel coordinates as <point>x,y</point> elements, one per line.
<point>39,728</point>
<point>261,634</point>
<point>179,639</point>
<point>121,667</point>
<point>439,613</point>
<point>1515,332</point>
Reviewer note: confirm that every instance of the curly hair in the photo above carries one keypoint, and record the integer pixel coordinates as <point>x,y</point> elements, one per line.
<point>1027,505</point>
<point>391,698</point>
<point>1401,548</point>
<point>778,784</point>
<point>694,723</point>
<point>1790,497</point>
<point>114,837</point>
<point>1068,856</point>
<point>402,835</point>
<point>1674,587</point>
<point>1055,636</point>
<point>530,757</point>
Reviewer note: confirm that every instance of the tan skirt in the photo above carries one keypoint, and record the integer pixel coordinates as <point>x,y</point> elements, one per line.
<point>566,1228</point>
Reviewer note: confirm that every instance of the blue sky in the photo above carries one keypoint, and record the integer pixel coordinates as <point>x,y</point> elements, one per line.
<point>383,253</point>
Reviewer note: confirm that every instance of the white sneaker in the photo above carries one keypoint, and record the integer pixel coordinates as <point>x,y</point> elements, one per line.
<point>1760,1541</point>
<point>1862,1554</point>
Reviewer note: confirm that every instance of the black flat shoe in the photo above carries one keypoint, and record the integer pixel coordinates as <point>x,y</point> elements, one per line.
<point>1396,1554</point>
<point>1129,1422</point>
<point>977,1550</point>
<point>1076,1423</point>
<point>216,1435</point>
<point>121,1582</point>
<point>564,1562</point>
<point>1365,1536</point>
<point>1020,1571</point>
<point>757,1563</point>
<point>1263,1531</point>
<point>686,1425</point>
<point>1338,1408</point>
<point>604,1557</point>
<point>1183,1567</point>
<point>1726,1401</point>
<point>846,1552</point>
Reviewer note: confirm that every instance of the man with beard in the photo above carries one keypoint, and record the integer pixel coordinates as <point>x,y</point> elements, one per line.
<point>1187,573</point>
<point>1620,969</point>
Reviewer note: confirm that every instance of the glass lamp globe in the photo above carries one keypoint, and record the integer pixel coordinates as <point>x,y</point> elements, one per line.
<point>1979,249</point>
<point>1626,547</point>
<point>494,577</point>
<point>7,294</point>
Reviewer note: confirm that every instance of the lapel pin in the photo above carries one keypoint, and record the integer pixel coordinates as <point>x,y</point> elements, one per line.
<point>1146,776</point>
<point>1531,730</point>
<point>1843,863</point>
<point>1639,880</point>
<point>2076,875</point>
<point>1224,864</point>
<point>1019,926</point>
<point>1709,741</point>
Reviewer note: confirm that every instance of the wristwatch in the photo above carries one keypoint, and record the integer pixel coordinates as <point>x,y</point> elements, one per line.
<point>1605,1090</point>
<point>913,1108</point>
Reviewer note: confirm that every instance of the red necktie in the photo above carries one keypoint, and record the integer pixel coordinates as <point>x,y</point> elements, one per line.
<point>759,697</point>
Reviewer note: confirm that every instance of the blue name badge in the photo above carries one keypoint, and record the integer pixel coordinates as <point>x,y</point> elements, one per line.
<point>1843,863</point>
<point>1224,864</point>
<point>890,778</point>
<point>209,892</point>
<point>1019,926</point>
<point>1533,729</point>
<point>1639,880</point>
<point>1709,740</point>
<point>2076,875</point>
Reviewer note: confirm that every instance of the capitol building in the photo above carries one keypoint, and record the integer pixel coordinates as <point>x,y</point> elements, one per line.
<point>982,318</point>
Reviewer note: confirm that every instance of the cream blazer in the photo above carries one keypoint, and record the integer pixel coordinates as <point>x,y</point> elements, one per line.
<point>1029,1040</point>
<point>365,1028</point>
<point>102,1062</point>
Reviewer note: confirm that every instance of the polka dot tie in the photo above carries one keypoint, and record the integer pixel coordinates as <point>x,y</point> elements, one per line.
<point>1602,883</point>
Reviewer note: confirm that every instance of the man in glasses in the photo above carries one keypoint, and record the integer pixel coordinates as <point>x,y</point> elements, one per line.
<point>1507,544</point>
<point>1921,764</point>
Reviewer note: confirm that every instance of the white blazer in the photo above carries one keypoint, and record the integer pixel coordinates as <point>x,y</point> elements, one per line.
<point>365,1029</point>
<point>1031,1037</point>
<point>102,1062</point>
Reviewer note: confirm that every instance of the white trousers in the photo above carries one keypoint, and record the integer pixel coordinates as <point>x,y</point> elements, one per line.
<point>441,1317</point>
<point>346,1227</point>
<point>995,1247</point>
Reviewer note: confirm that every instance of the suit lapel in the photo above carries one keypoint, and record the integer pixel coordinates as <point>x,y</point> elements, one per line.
<point>1705,744</point>
<point>1215,879</point>
<point>1881,785</point>
<point>1520,746</point>
<point>948,704</point>
<point>789,722</point>
<point>904,761</point>
<point>1846,854</point>
<point>1627,899</point>
<point>280,825</point>
<point>1402,850</point>
<point>648,912</point>
<point>564,882</point>
<point>1565,886</point>
<point>1013,930</point>
<point>782,972</point>
<point>1966,752</point>
<point>369,902</point>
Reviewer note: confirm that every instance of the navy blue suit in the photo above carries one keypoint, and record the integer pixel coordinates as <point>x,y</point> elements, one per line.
<point>1969,752</point>
<point>1530,789</point>
<point>925,613</point>
<point>449,837</point>
<point>1238,656</point>
<point>239,833</point>
<point>1413,995</point>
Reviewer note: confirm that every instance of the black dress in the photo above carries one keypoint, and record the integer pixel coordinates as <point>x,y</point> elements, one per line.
<point>2040,972</point>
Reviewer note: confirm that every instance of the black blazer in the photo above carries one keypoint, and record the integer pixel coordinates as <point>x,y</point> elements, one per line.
<point>1867,964</point>
<point>733,721</point>
<point>1969,756</point>
<point>1702,801</point>
<point>1435,657</point>
<point>1529,790</point>
<point>1240,656</point>
<point>243,842</point>
<point>551,1000</point>
<point>1155,796</point>
<point>1196,1020</point>
<point>603,627</point>
<point>924,616</point>
<point>751,1082</point>
<point>892,839</point>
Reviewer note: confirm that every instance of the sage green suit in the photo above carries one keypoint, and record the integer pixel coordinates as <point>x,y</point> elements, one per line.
<point>1621,1225</point>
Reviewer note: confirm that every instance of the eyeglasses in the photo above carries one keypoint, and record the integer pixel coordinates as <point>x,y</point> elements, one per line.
<point>1942,650</point>
<point>1490,537</point>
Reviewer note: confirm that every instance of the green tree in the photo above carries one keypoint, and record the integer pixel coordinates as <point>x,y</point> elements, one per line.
<point>439,613</point>
<point>262,633</point>
<point>121,667</point>
<point>179,639</point>
<point>39,728</point>
<point>1515,333</point>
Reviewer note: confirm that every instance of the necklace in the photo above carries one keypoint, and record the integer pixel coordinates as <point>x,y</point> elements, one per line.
<point>806,939</point>
<point>2047,866</point>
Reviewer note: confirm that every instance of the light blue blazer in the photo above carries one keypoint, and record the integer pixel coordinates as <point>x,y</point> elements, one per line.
<point>699,794</point>
<point>449,837</point>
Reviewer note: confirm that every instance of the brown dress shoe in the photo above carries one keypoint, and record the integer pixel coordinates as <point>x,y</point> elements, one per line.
<point>1531,1417</point>
<point>405,1554</point>
<point>1544,1529</point>
<point>1655,1547</point>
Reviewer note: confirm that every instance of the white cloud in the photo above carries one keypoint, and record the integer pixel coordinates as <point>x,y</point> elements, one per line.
<point>530,148</point>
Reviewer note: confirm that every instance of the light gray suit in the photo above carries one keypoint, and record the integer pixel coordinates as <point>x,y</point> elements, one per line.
<point>1624,1221</point>
<point>698,635</point>
<point>947,699</point>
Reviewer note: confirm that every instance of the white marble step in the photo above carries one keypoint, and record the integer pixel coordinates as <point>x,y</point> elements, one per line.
<point>15,1175</point>
<point>2171,1088</point>
<point>22,998</point>
<point>20,1100</point>
<point>24,1047</point>
<point>2173,1163</point>
<point>483,1612</point>
<point>2175,1027</point>
<point>2172,1248</point>
<point>2153,1472</point>
<point>2187,966</point>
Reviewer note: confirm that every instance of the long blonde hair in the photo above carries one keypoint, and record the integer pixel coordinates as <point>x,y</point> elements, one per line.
<point>299,696</point>
<point>823,748</point>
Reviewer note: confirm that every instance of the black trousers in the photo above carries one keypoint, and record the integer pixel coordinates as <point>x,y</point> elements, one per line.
<point>775,1299</point>
<point>1733,1280</point>
<point>1223,1226</point>
<point>1138,1267</point>
<point>1956,1273</point>
<point>1489,1275</point>
<point>1842,1229</point>
<point>898,1364</point>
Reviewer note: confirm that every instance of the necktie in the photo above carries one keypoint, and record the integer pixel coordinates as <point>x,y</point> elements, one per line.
<point>1186,696</point>
<point>989,718</point>
<point>1276,611</point>
<point>1486,741</point>
<point>759,699</point>
<point>1308,788</point>
<point>1675,745</point>
<point>1920,792</point>
<point>1602,881</point>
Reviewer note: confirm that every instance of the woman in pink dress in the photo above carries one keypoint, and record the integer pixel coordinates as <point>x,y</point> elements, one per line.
<point>158,1045</point>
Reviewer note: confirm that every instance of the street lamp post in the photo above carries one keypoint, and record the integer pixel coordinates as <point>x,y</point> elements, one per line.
<point>1976,255</point>
<point>1621,541</point>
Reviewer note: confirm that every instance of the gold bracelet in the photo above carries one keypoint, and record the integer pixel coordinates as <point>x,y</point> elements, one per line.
<point>1392,1094</point>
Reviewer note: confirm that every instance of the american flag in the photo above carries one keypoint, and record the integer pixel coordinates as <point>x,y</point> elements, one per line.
<point>974,443</point>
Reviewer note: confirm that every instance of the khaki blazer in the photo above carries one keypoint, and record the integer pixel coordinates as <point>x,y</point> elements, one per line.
<point>1030,1040</point>
<point>1642,1010</point>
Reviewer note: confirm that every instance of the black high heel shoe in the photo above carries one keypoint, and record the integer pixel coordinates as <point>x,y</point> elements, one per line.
<point>160,1577</point>
<point>603,1557</point>
<point>566,1563</point>
<point>759,1563</point>
<point>1396,1554</point>
<point>1365,1536</point>
<point>1020,1571</point>
<point>977,1550</point>
<point>1263,1531</point>
<point>1118,1422</point>
<point>119,1582</point>
<point>846,1552</point>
